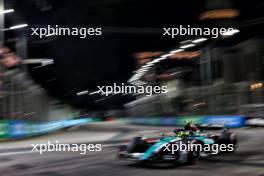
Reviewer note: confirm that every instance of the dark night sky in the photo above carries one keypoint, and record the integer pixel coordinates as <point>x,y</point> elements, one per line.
<point>84,63</point>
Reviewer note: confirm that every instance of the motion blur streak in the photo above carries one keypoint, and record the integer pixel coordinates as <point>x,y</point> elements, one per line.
<point>169,64</point>
<point>246,161</point>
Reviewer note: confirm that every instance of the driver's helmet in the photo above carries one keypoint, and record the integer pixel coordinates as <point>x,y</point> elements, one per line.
<point>190,127</point>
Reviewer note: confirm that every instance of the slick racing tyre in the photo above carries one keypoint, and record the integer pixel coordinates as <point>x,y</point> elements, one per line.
<point>228,138</point>
<point>121,151</point>
<point>192,156</point>
<point>137,145</point>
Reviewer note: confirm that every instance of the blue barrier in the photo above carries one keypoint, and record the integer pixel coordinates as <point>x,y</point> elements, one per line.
<point>168,121</point>
<point>225,120</point>
<point>15,129</point>
<point>18,129</point>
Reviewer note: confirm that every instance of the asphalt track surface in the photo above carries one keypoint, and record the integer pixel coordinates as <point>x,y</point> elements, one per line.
<point>248,161</point>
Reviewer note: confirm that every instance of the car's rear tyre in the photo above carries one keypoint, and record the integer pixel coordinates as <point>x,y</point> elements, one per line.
<point>136,145</point>
<point>229,138</point>
<point>192,156</point>
<point>121,151</point>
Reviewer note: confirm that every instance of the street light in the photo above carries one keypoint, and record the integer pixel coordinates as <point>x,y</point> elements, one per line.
<point>18,26</point>
<point>7,11</point>
<point>176,51</point>
<point>199,40</point>
<point>187,46</point>
<point>231,32</point>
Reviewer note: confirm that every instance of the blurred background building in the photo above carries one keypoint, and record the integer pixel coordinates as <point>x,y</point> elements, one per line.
<point>55,77</point>
<point>226,78</point>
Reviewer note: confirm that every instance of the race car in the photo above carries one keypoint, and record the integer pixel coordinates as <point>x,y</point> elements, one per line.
<point>225,137</point>
<point>145,150</point>
<point>154,151</point>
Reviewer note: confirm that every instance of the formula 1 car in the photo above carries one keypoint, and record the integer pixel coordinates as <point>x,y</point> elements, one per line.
<point>225,137</point>
<point>153,151</point>
<point>202,136</point>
